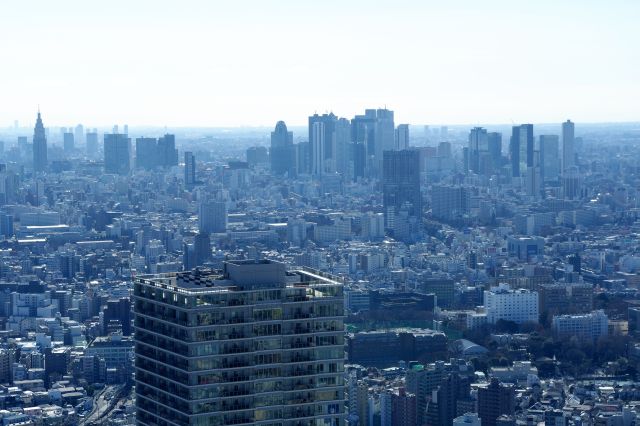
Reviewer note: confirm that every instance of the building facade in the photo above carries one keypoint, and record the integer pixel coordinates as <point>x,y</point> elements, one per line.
<point>503,303</point>
<point>251,344</point>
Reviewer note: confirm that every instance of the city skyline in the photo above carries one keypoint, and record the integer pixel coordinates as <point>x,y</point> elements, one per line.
<point>528,63</point>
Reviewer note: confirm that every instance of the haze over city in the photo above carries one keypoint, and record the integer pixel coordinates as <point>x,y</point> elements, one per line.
<point>296,213</point>
<point>251,63</point>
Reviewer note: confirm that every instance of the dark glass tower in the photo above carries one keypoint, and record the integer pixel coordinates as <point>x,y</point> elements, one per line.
<point>282,151</point>
<point>401,181</point>
<point>189,169</point>
<point>39,146</point>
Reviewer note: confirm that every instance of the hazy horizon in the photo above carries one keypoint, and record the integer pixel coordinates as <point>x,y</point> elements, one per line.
<point>250,63</point>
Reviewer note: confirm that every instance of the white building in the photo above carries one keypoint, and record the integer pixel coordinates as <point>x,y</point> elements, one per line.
<point>519,305</point>
<point>583,326</point>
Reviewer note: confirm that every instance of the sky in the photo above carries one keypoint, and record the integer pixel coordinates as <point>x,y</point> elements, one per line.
<point>216,63</point>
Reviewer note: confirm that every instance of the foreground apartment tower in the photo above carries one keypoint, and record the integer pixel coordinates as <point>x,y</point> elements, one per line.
<point>250,344</point>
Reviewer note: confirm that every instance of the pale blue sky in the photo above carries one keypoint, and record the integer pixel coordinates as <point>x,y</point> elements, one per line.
<point>229,63</point>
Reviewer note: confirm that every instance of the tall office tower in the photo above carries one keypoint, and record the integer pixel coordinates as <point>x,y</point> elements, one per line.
<point>92,144</point>
<point>282,150</point>
<point>322,140</point>
<point>39,146</point>
<point>549,157</point>
<point>189,169</point>
<point>117,153</point>
<point>384,136</point>
<point>478,142</point>
<point>167,152</point>
<point>402,137</point>
<point>68,142</point>
<point>6,225</point>
<point>444,133</point>
<point>146,153</point>
<point>343,147</point>
<point>521,147</point>
<point>188,256</point>
<point>363,134</point>
<point>250,344</point>
<point>514,151</point>
<point>494,141</point>
<point>23,142</point>
<point>78,134</point>
<point>376,130</point>
<point>202,247</point>
<point>212,217</point>
<point>533,177</point>
<point>303,158</point>
<point>494,400</point>
<point>317,146</point>
<point>568,141</point>
<point>358,159</point>
<point>571,183</point>
<point>126,129</point>
<point>444,149</point>
<point>260,155</point>
<point>401,183</point>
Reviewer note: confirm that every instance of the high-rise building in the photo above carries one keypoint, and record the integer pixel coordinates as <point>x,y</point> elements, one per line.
<point>202,247</point>
<point>6,225</point>
<point>68,142</point>
<point>78,134</point>
<point>167,152</point>
<point>571,183</point>
<point>403,408</point>
<point>494,141</point>
<point>259,343</point>
<point>402,137</point>
<point>322,139</point>
<point>376,130</point>
<point>533,177</point>
<point>494,400</point>
<point>401,182</point>
<point>521,148</point>
<point>260,155</point>
<point>146,153</point>
<point>92,144</point>
<point>549,157</point>
<point>189,169</point>
<point>152,152</point>
<point>39,146</point>
<point>282,150</point>
<point>478,143</point>
<point>568,142</point>
<point>212,217</point>
<point>117,153</point>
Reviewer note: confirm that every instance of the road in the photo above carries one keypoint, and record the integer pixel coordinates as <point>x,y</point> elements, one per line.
<point>105,402</point>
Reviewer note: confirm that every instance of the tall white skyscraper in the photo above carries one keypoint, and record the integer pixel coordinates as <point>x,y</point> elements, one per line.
<point>568,141</point>
<point>402,137</point>
<point>317,148</point>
